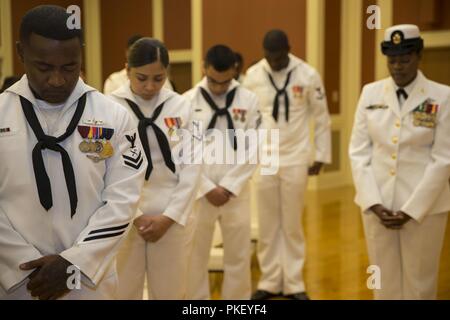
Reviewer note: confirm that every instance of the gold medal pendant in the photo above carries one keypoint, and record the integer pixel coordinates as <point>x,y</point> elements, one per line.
<point>107,150</point>
<point>92,146</point>
<point>84,146</point>
<point>98,147</point>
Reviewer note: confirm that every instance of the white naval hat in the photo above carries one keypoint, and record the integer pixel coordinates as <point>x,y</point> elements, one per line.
<point>401,39</point>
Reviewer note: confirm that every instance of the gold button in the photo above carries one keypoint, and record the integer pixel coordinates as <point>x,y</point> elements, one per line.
<point>397,124</point>
<point>394,156</point>
<point>394,139</point>
<point>392,172</point>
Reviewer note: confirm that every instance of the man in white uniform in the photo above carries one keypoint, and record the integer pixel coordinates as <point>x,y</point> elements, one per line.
<point>67,195</point>
<point>220,103</point>
<point>400,156</point>
<point>291,93</point>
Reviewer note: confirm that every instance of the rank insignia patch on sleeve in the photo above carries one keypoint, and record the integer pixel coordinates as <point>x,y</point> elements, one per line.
<point>132,158</point>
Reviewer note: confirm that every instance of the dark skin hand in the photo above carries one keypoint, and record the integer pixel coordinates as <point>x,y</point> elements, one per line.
<point>219,196</point>
<point>314,170</point>
<point>49,279</point>
<point>390,219</point>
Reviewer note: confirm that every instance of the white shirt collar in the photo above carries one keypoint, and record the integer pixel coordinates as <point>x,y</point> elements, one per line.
<point>204,84</point>
<point>124,92</point>
<point>293,63</point>
<point>22,88</point>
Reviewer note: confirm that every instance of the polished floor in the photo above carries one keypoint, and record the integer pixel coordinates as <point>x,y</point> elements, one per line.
<point>336,262</point>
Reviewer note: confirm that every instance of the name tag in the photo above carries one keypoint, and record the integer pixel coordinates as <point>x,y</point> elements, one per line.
<point>377,106</point>
<point>7,131</point>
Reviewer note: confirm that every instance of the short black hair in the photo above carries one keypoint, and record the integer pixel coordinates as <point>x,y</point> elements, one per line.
<point>220,57</point>
<point>132,40</point>
<point>50,22</point>
<point>146,51</point>
<point>276,40</point>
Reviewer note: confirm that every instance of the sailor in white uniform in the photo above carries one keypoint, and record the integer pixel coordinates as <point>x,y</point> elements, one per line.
<point>67,195</point>
<point>291,93</point>
<point>400,156</point>
<point>220,103</point>
<point>160,244</point>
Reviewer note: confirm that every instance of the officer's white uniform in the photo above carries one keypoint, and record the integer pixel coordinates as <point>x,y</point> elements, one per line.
<point>120,78</point>
<point>400,154</point>
<point>404,165</point>
<point>234,216</point>
<point>108,193</point>
<point>281,248</point>
<point>164,262</point>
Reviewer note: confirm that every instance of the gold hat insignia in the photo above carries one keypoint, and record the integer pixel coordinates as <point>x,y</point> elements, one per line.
<point>397,39</point>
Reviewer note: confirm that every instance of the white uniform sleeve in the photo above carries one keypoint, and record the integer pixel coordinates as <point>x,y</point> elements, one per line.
<point>109,86</point>
<point>206,185</point>
<point>360,152</point>
<point>248,82</point>
<point>235,179</point>
<point>14,250</point>
<point>183,196</point>
<point>322,122</point>
<point>99,242</point>
<point>436,173</point>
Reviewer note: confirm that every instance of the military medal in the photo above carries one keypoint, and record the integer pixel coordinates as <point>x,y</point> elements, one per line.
<point>172,124</point>
<point>96,141</point>
<point>84,146</point>
<point>107,151</point>
<point>425,114</point>
<point>297,91</point>
<point>239,114</point>
<point>236,114</point>
<point>98,146</point>
<point>243,113</point>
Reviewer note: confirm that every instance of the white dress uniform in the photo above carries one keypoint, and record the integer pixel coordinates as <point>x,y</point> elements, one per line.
<point>234,216</point>
<point>119,78</point>
<point>281,247</point>
<point>108,191</point>
<point>401,159</point>
<point>164,262</point>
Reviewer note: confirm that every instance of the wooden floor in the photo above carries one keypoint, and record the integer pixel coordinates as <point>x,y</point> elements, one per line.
<point>336,259</point>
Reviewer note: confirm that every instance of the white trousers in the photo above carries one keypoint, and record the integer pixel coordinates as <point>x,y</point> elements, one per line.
<point>408,258</point>
<point>281,245</point>
<point>234,221</point>
<point>164,264</point>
